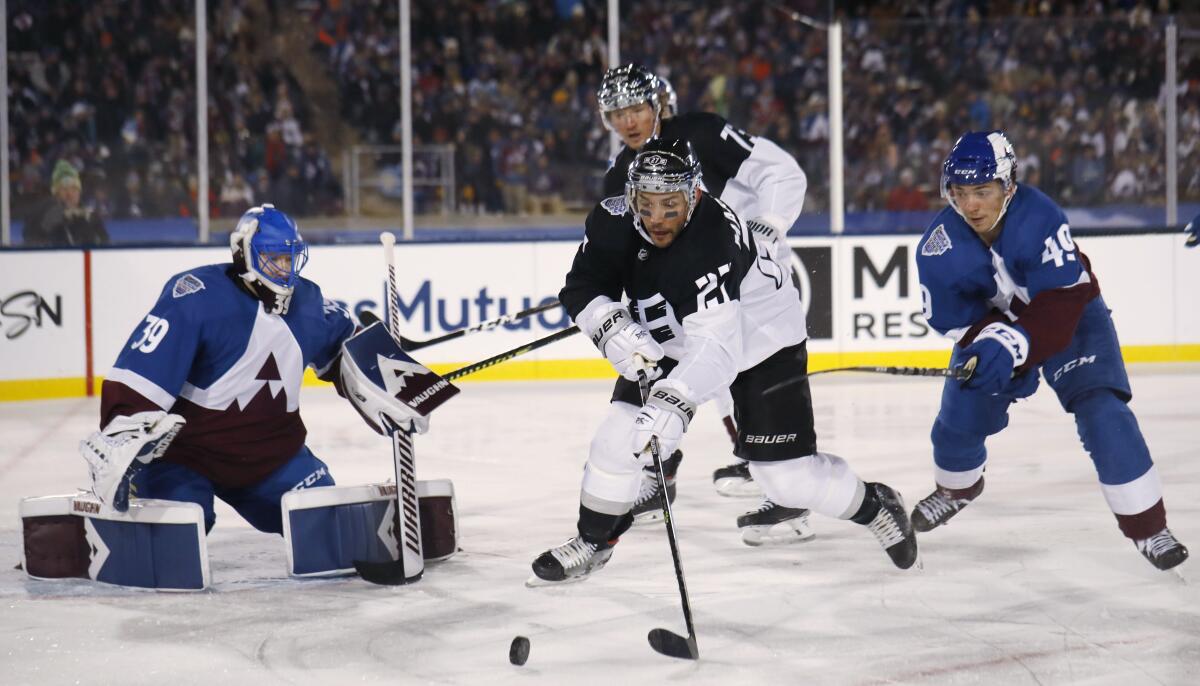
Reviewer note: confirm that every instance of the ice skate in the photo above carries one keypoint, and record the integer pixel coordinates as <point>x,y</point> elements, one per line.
<point>774,524</point>
<point>735,481</point>
<point>938,507</point>
<point>648,507</point>
<point>574,560</point>
<point>1163,550</point>
<point>892,527</point>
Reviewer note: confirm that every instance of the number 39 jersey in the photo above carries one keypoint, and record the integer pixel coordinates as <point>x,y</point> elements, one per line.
<point>209,352</point>
<point>701,297</point>
<point>1033,274</point>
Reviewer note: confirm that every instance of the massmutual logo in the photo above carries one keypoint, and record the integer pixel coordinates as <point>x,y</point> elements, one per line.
<point>25,309</point>
<point>813,275</point>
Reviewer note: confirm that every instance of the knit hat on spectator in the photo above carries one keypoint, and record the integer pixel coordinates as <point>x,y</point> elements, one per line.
<point>64,174</point>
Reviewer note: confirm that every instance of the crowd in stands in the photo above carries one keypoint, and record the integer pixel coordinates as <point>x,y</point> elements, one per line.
<point>1076,84</point>
<point>109,86</point>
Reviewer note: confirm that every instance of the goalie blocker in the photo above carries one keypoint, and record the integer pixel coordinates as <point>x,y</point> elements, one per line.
<point>327,529</point>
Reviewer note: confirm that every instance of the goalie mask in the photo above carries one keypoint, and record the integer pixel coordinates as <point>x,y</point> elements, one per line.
<point>663,166</point>
<point>269,254</point>
<point>627,86</point>
<point>977,158</point>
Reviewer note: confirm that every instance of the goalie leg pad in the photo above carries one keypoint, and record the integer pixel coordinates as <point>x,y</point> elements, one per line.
<point>326,529</point>
<point>175,482</point>
<point>155,544</point>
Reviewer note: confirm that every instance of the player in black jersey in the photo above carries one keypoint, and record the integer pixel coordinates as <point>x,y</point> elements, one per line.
<point>764,185</point>
<point>697,286</point>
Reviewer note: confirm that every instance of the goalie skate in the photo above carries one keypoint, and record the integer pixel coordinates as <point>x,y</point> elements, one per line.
<point>648,507</point>
<point>735,481</point>
<point>773,524</point>
<point>574,560</point>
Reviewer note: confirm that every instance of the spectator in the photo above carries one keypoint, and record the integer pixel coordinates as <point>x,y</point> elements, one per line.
<point>906,197</point>
<point>62,220</point>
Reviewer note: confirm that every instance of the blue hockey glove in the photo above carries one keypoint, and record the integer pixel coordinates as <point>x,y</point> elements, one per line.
<point>998,350</point>
<point>1193,232</point>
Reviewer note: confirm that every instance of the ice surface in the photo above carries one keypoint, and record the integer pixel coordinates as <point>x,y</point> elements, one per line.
<point>1032,584</point>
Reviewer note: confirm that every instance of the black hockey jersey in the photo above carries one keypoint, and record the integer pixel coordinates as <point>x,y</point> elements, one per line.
<point>751,174</point>
<point>696,296</point>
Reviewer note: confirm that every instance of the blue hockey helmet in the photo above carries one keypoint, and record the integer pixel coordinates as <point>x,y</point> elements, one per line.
<point>980,157</point>
<point>268,249</point>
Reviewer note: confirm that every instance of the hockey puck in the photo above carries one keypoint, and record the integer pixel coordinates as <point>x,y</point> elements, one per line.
<point>518,652</point>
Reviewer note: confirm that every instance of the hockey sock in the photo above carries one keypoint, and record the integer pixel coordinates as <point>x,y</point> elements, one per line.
<point>868,509</point>
<point>599,528</point>
<point>955,450</point>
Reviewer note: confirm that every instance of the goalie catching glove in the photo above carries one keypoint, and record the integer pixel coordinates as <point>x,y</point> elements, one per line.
<point>666,414</point>
<point>620,339</point>
<point>116,453</point>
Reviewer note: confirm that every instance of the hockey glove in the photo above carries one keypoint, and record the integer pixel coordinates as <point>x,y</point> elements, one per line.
<point>1193,232</point>
<point>116,453</point>
<point>999,349</point>
<point>620,338</point>
<point>665,416</point>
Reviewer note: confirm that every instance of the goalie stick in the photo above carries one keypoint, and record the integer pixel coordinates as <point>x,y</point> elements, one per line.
<point>665,641</point>
<point>961,372</point>
<point>410,564</point>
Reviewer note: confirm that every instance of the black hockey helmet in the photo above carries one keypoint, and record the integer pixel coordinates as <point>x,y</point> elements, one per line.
<point>663,166</point>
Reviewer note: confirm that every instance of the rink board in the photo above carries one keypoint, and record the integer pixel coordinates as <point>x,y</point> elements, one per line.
<point>863,297</point>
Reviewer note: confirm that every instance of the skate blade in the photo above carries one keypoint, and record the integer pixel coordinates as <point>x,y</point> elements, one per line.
<point>648,518</point>
<point>536,581</point>
<point>776,534</point>
<point>737,488</point>
<point>1178,574</point>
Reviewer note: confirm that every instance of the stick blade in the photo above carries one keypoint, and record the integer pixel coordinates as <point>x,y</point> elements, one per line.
<point>389,573</point>
<point>672,644</point>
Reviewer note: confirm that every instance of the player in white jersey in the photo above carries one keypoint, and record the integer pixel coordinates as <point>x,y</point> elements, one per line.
<point>697,285</point>
<point>203,400</point>
<point>761,183</point>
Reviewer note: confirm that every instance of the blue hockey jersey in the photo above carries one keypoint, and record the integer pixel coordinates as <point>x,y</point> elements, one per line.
<point>209,352</point>
<point>1033,274</point>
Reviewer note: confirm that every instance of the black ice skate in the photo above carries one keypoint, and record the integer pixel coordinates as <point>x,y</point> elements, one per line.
<point>1163,550</point>
<point>571,561</point>
<point>772,523</point>
<point>735,481</point>
<point>648,507</point>
<point>892,527</point>
<point>938,507</point>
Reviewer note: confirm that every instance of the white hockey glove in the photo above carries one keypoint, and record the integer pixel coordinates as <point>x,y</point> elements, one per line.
<point>116,453</point>
<point>620,338</point>
<point>374,403</point>
<point>665,416</point>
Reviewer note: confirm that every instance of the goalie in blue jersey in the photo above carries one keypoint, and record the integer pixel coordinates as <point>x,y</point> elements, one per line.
<point>203,400</point>
<point>1001,275</point>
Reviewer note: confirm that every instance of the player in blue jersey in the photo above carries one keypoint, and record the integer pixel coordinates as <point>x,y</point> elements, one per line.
<point>203,400</point>
<point>1001,275</point>
<point>1193,232</point>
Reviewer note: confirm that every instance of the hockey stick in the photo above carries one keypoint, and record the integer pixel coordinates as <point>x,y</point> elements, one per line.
<point>665,641</point>
<point>409,345</point>
<point>961,372</point>
<point>509,354</point>
<point>410,563</point>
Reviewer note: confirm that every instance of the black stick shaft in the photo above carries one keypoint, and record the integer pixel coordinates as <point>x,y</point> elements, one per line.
<point>410,345</point>
<point>644,387</point>
<point>510,354</point>
<point>961,373</point>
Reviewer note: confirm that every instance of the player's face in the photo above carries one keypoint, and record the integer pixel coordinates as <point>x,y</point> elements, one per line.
<point>663,215</point>
<point>634,124</point>
<point>278,266</point>
<point>980,205</point>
